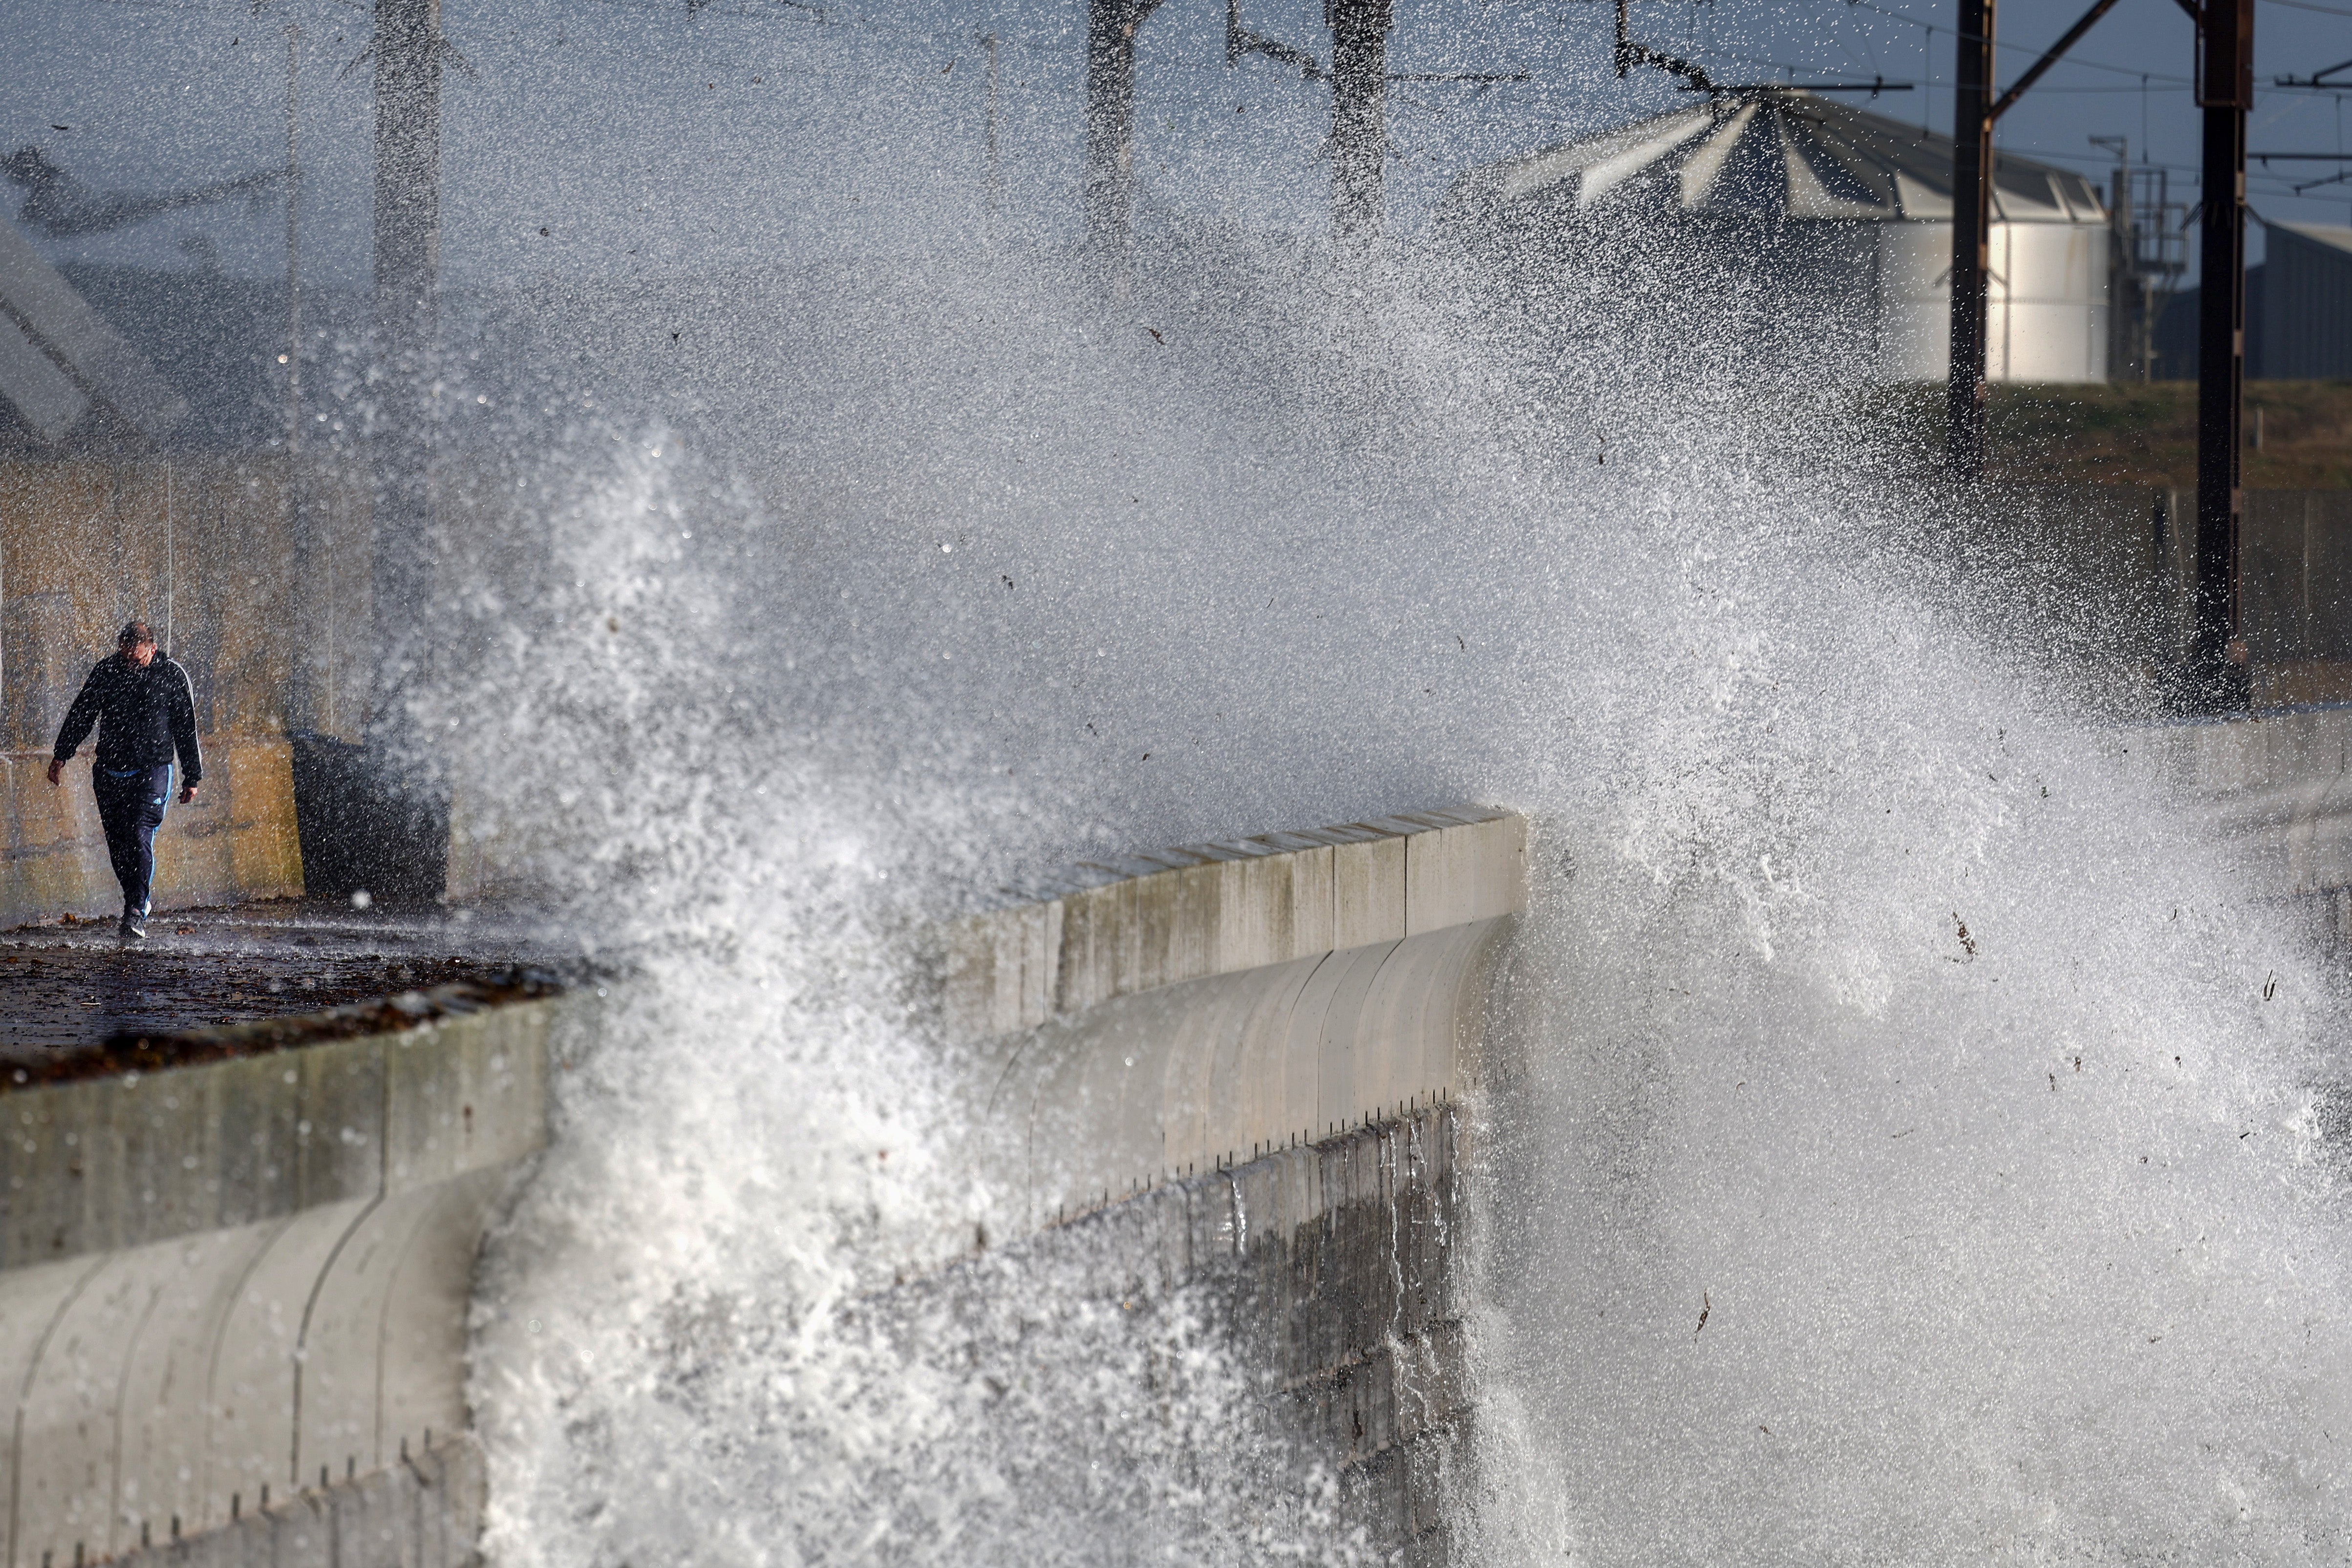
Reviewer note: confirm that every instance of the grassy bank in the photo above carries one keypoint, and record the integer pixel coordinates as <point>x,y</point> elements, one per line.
<point>2135,433</point>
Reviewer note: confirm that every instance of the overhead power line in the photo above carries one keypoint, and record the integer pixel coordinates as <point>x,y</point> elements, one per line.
<point>2028,49</point>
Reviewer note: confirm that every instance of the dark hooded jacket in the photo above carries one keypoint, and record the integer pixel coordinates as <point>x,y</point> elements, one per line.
<point>143,716</point>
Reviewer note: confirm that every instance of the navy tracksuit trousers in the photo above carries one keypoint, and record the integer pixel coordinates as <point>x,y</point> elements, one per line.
<point>130,802</point>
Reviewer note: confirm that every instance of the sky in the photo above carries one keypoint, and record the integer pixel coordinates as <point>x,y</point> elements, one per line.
<point>651,135</point>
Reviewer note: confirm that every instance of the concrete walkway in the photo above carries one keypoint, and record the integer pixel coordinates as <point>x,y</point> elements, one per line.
<point>65,986</point>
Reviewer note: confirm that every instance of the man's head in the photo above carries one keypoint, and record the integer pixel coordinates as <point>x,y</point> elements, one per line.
<point>137,644</point>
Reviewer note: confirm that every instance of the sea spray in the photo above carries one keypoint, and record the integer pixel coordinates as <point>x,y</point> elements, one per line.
<point>1848,1005</point>
<point>1915,1133</point>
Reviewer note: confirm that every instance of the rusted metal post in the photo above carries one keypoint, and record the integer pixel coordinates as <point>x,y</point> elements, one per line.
<point>1107,191</point>
<point>407,328</point>
<point>293,248</point>
<point>995,164</point>
<point>2217,674</point>
<point>1359,84</point>
<point>1964,398</point>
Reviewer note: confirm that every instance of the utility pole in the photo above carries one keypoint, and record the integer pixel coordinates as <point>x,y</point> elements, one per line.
<point>1975,110</point>
<point>2217,674</point>
<point>402,840</point>
<point>293,252</point>
<point>1360,80</point>
<point>1109,183</point>
<point>407,320</point>
<point>1964,398</point>
<point>995,168</point>
<point>304,705</point>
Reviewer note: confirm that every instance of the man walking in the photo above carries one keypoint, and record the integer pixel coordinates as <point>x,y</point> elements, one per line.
<point>145,711</point>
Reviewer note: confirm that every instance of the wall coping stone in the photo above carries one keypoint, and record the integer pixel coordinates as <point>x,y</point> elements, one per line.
<point>1118,927</point>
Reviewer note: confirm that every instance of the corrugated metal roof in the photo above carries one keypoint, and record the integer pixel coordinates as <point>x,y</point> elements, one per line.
<point>2334,235</point>
<point>1785,154</point>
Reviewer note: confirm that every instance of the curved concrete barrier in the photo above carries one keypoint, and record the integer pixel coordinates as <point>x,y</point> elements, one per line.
<point>233,1295</point>
<point>229,1283</point>
<point>2278,785</point>
<point>1207,1005</point>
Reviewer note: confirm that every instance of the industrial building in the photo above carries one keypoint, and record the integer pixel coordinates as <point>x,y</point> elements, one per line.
<point>2307,303</point>
<point>1820,222</point>
<point>2298,310</point>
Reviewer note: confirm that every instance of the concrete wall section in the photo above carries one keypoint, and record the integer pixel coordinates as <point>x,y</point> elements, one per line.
<point>1232,1066</point>
<point>1215,1071</point>
<point>255,576</point>
<point>227,1285</point>
<point>236,842</point>
<point>424,1511</point>
<point>1334,1274</point>
<point>2279,787</point>
<point>105,1164</point>
<point>1122,928</point>
<point>1206,1006</point>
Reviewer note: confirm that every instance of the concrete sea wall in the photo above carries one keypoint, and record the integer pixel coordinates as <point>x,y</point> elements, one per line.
<point>2278,789</point>
<point>232,1295</point>
<point>227,1286</point>
<point>1166,1015</point>
<point>1333,1277</point>
<point>1235,1069</point>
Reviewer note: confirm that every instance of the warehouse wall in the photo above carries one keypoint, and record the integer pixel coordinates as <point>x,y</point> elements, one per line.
<point>2307,303</point>
<point>2047,313</point>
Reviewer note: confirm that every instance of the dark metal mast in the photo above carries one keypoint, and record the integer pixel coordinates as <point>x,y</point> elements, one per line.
<point>407,52</point>
<point>1360,79</point>
<point>1975,110</point>
<point>1964,400</point>
<point>2217,674</point>
<point>293,250</point>
<point>305,705</point>
<point>1108,192</point>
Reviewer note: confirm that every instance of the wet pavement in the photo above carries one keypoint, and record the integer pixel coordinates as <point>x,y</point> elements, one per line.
<point>64,986</point>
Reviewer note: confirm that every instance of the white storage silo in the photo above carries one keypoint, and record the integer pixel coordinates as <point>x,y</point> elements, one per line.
<point>1831,211</point>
